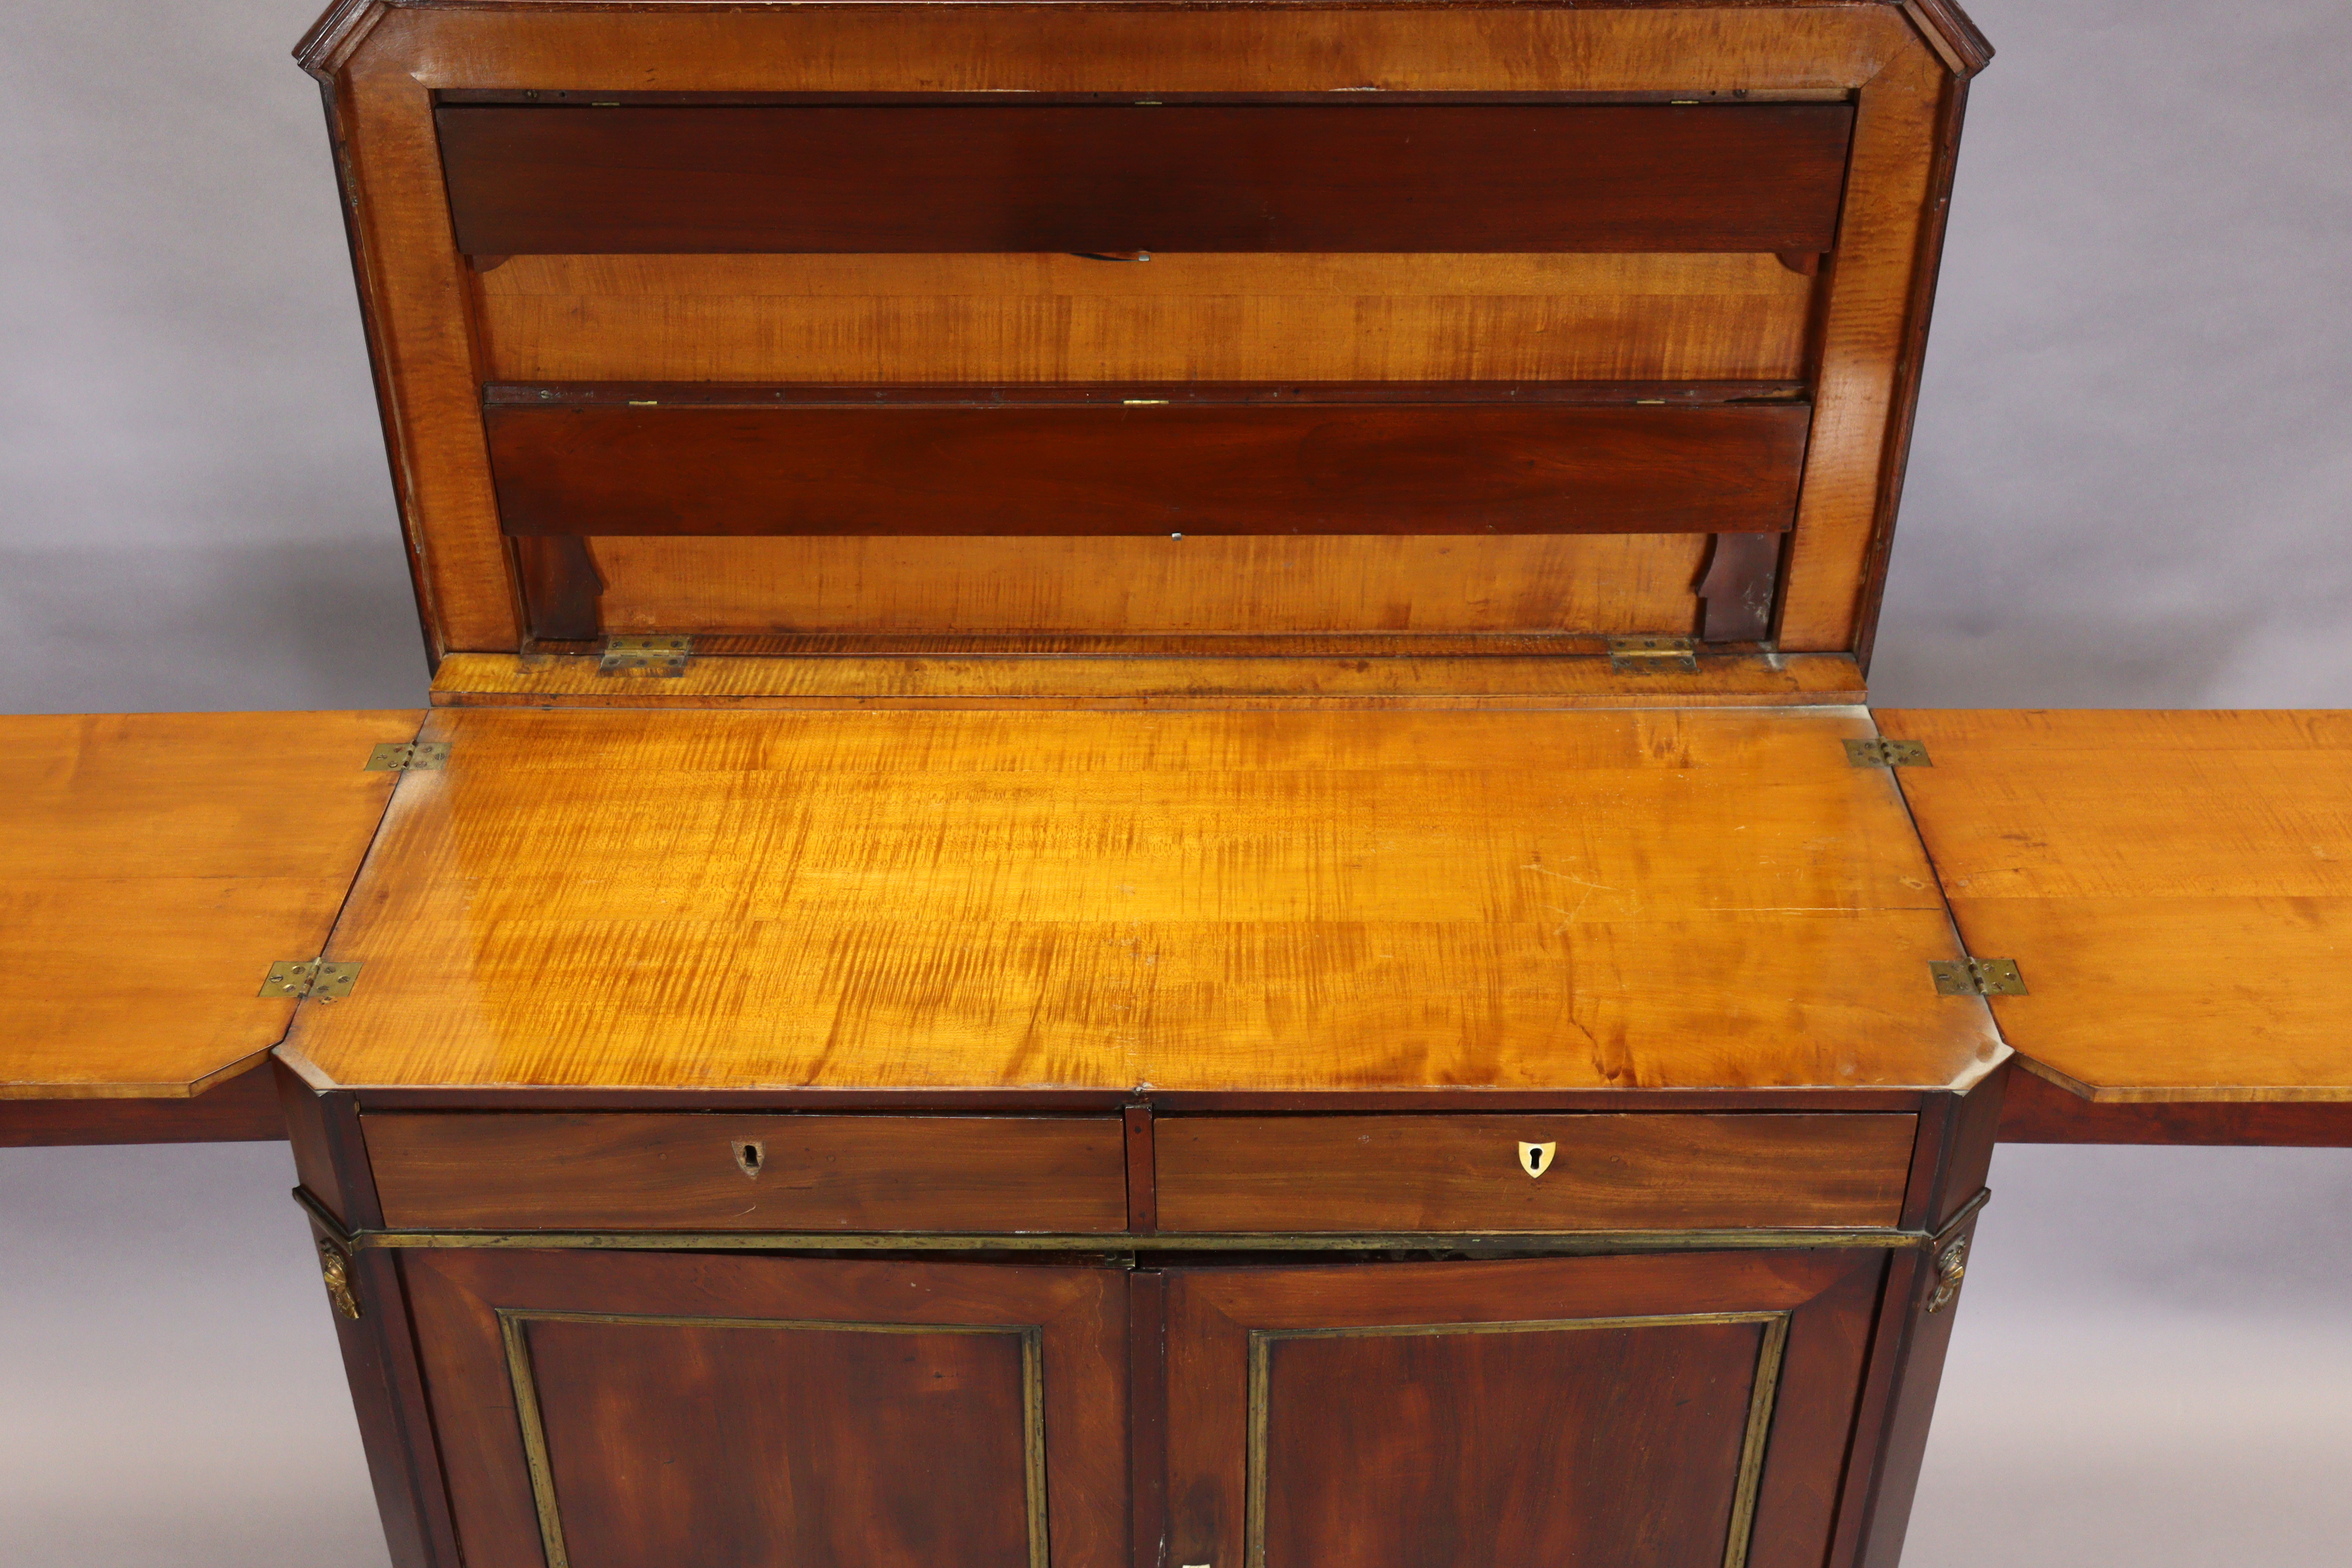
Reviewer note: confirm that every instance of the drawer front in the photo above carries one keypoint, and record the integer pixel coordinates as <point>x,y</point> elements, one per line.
<point>1652,1172</point>
<point>756,1174</point>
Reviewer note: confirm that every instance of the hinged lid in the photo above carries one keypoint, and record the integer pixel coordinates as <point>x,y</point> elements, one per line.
<point>856,328</point>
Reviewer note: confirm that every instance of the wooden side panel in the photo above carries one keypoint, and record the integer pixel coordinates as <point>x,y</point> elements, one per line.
<point>1475,1172</point>
<point>801,1174</point>
<point>2036,1111</point>
<point>1158,469</point>
<point>1046,318</point>
<point>1110,178</point>
<point>1588,1410</point>
<point>2176,888</point>
<point>1256,901</point>
<point>153,867</point>
<point>912,1410</point>
<point>242,1109</point>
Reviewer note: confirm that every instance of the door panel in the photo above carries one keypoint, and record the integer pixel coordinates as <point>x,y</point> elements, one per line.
<point>599,1410</point>
<point>1689,1411</point>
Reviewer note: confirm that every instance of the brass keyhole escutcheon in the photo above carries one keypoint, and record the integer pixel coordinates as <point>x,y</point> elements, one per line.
<point>750,1155</point>
<point>1535,1159</point>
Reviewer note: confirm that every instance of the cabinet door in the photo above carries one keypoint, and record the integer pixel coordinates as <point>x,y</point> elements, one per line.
<point>1683,1411</point>
<point>649,1410</point>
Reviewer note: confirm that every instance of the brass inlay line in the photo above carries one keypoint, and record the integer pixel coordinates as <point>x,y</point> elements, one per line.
<point>1764,1391</point>
<point>513,1333</point>
<point>1519,1241</point>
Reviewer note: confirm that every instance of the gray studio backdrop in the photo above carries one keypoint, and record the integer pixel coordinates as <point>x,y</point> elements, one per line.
<point>2130,488</point>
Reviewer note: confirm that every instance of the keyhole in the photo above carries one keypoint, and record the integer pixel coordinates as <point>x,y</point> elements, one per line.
<point>1535,1162</point>
<point>748,1156</point>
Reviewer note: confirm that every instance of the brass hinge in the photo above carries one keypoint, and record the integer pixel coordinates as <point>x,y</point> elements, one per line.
<point>295,978</point>
<point>661,655</point>
<point>1977,977</point>
<point>1653,656</point>
<point>408,757</point>
<point>1887,753</point>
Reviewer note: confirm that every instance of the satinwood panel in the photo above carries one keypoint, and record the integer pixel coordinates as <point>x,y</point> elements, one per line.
<point>153,867</point>
<point>2176,888</point>
<point>1090,178</point>
<point>995,319</point>
<point>1580,1411</point>
<point>1193,900</point>
<point>597,1410</point>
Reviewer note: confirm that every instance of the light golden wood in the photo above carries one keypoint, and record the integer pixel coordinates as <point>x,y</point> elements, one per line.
<point>153,867</point>
<point>1213,901</point>
<point>1470,680</point>
<point>419,290</point>
<point>2176,888</point>
<point>1864,339</point>
<point>1586,583</point>
<point>987,319</point>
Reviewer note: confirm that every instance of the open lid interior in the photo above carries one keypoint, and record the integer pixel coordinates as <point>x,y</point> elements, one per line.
<point>842,330</point>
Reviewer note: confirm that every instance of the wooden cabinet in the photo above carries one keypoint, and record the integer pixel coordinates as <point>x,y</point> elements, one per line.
<point>1147,836</point>
<point>621,1410</point>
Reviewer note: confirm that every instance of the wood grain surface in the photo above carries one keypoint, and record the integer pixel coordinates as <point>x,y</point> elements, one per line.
<point>1246,901</point>
<point>1160,468</point>
<point>421,294</point>
<point>1046,318</point>
<point>1466,1173</point>
<point>2177,889</point>
<point>1013,175</point>
<point>1360,678</point>
<point>1383,585</point>
<point>778,1398</point>
<point>241,1108</point>
<point>1430,1446</point>
<point>153,867</point>
<point>810,1173</point>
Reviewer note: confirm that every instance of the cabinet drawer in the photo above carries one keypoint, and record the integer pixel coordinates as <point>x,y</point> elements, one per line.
<point>626,1172</point>
<point>1652,1172</point>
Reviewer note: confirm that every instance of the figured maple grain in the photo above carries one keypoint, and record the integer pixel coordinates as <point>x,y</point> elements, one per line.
<point>153,865</point>
<point>1022,317</point>
<point>2176,888</point>
<point>420,295</point>
<point>1360,678</point>
<point>1399,585</point>
<point>1252,900</point>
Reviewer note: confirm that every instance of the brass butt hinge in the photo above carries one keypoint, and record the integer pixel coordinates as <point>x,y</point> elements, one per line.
<point>1888,754</point>
<point>335,1270</point>
<point>295,978</point>
<point>1653,656</point>
<point>1977,977</point>
<point>408,757</point>
<point>661,655</point>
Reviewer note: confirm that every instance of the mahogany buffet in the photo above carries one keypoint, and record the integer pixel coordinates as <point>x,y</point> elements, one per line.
<point>1149,836</point>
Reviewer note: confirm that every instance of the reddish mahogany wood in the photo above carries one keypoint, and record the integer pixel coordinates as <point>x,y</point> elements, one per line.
<point>834,1447</point>
<point>1736,590</point>
<point>561,586</point>
<point>243,1110</point>
<point>1452,468</point>
<point>1102,179</point>
<point>1142,1179</point>
<point>1617,1445</point>
<point>1464,1173</point>
<point>2036,1111</point>
<point>1527,1446</point>
<point>497,1171</point>
<point>697,1443</point>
